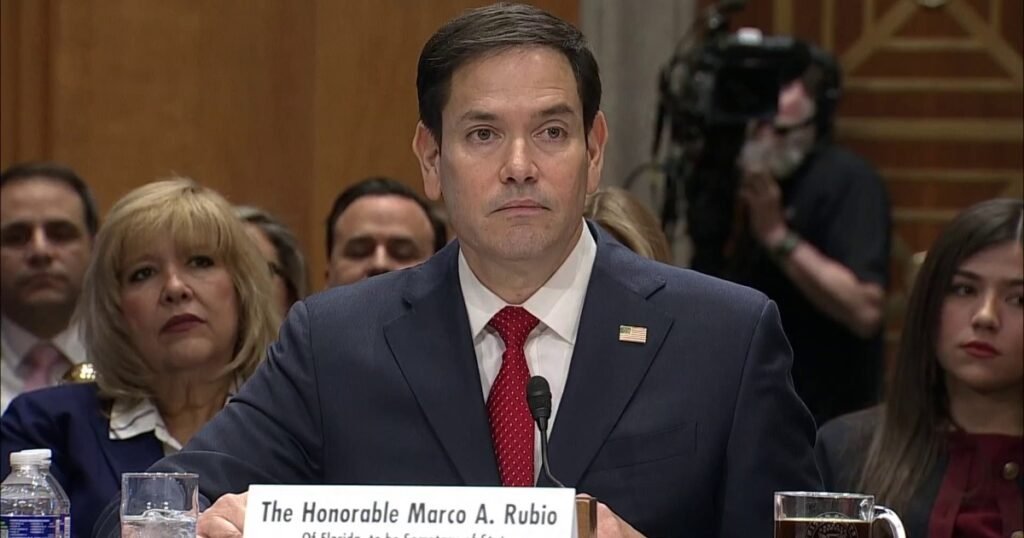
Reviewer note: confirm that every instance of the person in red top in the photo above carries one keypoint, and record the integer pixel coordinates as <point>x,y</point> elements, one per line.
<point>945,449</point>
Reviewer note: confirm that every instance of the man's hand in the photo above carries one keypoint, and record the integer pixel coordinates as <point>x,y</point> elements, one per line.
<point>763,198</point>
<point>830,286</point>
<point>610,525</point>
<point>225,519</point>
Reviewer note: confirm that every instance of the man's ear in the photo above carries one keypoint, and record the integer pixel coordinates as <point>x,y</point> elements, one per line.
<point>596,139</point>
<point>428,153</point>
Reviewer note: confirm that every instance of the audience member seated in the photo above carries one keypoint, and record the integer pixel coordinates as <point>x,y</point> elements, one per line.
<point>945,449</point>
<point>175,316</point>
<point>281,249</point>
<point>376,226</point>
<point>629,221</point>
<point>47,223</point>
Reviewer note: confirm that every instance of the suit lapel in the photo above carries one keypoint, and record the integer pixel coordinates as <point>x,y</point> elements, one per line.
<point>433,347</point>
<point>605,372</point>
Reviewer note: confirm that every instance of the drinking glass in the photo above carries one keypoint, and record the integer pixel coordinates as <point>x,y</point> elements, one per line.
<point>159,505</point>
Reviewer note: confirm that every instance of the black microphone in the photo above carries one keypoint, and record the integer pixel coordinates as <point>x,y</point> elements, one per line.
<point>538,398</point>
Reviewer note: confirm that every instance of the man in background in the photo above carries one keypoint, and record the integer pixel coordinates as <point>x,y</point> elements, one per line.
<point>376,226</point>
<point>817,243</point>
<point>47,223</point>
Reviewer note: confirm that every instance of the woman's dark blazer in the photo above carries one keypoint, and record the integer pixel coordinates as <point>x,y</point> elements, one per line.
<point>841,449</point>
<point>72,421</point>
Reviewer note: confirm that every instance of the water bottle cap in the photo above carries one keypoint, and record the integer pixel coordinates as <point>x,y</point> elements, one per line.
<point>31,456</point>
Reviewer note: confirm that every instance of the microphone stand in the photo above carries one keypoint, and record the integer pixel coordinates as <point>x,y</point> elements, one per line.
<point>538,399</point>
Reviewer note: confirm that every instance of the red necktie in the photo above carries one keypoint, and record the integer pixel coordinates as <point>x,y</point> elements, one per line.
<point>42,366</point>
<point>511,423</point>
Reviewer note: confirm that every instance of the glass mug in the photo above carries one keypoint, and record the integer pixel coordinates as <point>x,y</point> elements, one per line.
<point>806,514</point>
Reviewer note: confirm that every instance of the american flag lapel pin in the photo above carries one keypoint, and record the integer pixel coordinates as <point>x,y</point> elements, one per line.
<point>629,333</point>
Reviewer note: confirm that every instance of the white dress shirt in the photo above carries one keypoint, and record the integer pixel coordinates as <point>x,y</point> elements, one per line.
<point>16,342</point>
<point>558,304</point>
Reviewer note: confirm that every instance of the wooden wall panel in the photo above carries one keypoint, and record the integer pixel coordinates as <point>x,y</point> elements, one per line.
<point>933,97</point>
<point>25,78</point>
<point>277,104</point>
<point>218,91</point>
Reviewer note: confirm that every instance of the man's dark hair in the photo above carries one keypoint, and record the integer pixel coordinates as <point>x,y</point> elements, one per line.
<point>493,29</point>
<point>61,173</point>
<point>383,186</point>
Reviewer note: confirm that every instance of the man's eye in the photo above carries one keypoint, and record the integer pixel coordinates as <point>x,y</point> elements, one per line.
<point>15,236</point>
<point>555,133</point>
<point>358,249</point>
<point>403,251</point>
<point>62,232</point>
<point>482,135</point>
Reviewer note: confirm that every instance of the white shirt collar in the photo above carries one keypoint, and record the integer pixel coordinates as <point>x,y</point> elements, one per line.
<point>558,304</point>
<point>19,342</point>
<point>129,420</point>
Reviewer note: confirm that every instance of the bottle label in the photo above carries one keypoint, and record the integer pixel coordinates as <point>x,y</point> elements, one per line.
<point>32,527</point>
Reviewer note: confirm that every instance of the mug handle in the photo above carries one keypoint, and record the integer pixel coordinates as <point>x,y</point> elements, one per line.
<point>890,517</point>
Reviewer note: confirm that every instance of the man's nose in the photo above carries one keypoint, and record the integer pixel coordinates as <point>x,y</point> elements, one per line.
<point>380,262</point>
<point>40,248</point>
<point>519,166</point>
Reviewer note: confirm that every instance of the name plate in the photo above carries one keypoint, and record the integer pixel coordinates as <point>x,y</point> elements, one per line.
<point>409,512</point>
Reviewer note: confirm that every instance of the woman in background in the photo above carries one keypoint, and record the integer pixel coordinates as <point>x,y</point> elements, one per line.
<point>279,247</point>
<point>176,313</point>
<point>632,224</point>
<point>945,449</point>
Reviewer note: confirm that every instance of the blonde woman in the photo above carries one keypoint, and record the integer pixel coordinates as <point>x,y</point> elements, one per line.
<point>175,313</point>
<point>629,221</point>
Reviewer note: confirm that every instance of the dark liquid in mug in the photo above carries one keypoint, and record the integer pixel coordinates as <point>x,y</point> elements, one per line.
<point>822,528</point>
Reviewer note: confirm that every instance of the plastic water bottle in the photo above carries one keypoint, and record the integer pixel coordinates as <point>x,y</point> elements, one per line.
<point>46,455</point>
<point>32,503</point>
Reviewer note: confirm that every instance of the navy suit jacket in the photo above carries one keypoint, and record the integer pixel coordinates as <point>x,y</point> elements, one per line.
<point>71,422</point>
<point>688,434</point>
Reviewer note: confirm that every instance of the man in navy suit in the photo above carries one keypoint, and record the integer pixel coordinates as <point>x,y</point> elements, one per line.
<point>673,403</point>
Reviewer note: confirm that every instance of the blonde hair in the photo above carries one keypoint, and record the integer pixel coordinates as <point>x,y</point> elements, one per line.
<point>193,217</point>
<point>629,221</point>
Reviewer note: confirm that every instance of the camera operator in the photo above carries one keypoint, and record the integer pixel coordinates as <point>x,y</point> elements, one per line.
<point>816,240</point>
